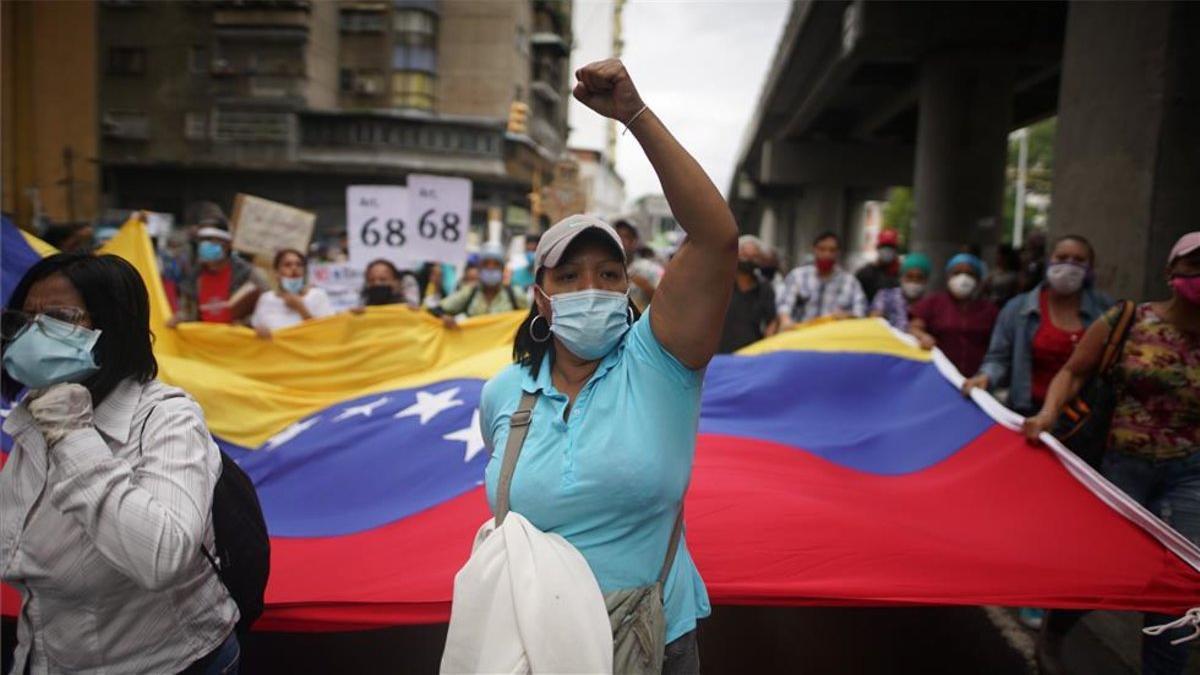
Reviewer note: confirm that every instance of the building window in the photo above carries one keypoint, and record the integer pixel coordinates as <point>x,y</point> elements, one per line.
<point>195,126</point>
<point>362,82</point>
<point>198,59</point>
<point>415,40</point>
<point>126,124</point>
<point>362,21</point>
<point>414,21</point>
<point>405,57</point>
<point>126,61</point>
<point>414,58</point>
<point>413,90</point>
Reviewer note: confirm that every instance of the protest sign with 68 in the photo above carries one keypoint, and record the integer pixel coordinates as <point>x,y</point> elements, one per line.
<point>427,221</point>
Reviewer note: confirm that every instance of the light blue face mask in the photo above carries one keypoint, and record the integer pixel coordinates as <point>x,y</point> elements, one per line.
<point>491,277</point>
<point>49,351</point>
<point>291,285</point>
<point>210,251</point>
<point>589,323</point>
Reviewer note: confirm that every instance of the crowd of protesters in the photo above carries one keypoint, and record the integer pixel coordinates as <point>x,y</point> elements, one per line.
<point>614,344</point>
<point>1030,328</point>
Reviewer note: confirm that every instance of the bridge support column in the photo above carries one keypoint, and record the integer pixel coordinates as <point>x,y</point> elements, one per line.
<point>821,207</point>
<point>1127,155</point>
<point>965,110</point>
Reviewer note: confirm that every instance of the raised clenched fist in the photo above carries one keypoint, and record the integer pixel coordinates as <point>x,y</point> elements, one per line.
<point>605,86</point>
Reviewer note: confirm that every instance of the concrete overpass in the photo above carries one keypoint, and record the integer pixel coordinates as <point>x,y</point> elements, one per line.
<point>862,96</point>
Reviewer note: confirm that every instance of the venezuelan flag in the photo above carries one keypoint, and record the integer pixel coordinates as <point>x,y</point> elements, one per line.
<point>836,465</point>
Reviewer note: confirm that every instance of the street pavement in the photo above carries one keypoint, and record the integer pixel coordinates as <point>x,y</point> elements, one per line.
<point>824,640</point>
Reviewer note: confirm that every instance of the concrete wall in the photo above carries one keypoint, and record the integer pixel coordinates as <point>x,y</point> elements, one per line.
<point>169,89</point>
<point>49,105</point>
<point>1127,154</point>
<point>483,57</point>
<point>321,56</point>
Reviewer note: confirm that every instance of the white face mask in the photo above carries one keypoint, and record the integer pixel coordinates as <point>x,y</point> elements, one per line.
<point>912,289</point>
<point>1066,278</point>
<point>962,285</point>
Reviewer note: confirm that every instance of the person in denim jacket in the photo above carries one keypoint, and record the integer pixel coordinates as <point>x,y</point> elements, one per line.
<point>1025,352</point>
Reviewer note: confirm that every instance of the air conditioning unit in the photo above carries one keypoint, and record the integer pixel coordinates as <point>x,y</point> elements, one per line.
<point>368,86</point>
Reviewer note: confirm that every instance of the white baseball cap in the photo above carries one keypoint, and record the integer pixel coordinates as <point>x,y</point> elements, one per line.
<point>557,239</point>
<point>1185,246</point>
<point>213,233</point>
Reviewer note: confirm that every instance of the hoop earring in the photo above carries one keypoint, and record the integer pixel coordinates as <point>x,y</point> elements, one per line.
<point>533,335</point>
<point>629,310</point>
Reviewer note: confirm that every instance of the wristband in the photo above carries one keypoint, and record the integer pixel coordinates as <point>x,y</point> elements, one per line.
<point>634,119</point>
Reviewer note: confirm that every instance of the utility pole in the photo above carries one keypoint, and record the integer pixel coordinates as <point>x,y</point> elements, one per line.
<point>618,48</point>
<point>1022,172</point>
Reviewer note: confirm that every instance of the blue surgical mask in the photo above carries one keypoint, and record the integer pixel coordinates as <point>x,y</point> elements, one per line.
<point>291,285</point>
<point>49,351</point>
<point>210,251</point>
<point>491,277</point>
<point>589,323</point>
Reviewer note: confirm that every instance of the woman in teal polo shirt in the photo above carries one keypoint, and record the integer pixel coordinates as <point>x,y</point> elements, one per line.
<point>608,454</point>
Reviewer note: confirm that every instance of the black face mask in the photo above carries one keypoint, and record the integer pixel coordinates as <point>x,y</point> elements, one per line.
<point>747,266</point>
<point>379,295</point>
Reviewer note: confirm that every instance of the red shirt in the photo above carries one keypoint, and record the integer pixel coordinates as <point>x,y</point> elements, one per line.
<point>962,330</point>
<point>212,294</point>
<point>1052,346</point>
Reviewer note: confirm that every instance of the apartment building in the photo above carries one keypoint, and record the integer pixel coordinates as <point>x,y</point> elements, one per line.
<point>294,100</point>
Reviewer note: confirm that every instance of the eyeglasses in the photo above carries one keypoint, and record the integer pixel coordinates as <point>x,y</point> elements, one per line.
<point>57,322</point>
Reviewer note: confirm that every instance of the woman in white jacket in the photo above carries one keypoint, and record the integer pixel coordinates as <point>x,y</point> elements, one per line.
<point>106,496</point>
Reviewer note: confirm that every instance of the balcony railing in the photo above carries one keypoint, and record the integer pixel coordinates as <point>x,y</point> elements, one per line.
<point>398,133</point>
<point>278,89</point>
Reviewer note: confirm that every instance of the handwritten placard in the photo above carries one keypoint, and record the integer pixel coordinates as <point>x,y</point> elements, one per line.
<point>262,227</point>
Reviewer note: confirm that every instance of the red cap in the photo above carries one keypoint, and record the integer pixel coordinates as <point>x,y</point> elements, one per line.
<point>888,238</point>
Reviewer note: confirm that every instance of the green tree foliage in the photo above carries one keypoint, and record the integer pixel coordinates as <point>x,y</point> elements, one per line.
<point>1039,173</point>
<point>898,212</point>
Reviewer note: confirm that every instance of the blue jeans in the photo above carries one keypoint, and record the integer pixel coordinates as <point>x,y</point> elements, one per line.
<point>1170,489</point>
<point>223,660</point>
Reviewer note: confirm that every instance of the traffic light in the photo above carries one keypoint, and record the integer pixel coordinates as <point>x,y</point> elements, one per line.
<point>518,118</point>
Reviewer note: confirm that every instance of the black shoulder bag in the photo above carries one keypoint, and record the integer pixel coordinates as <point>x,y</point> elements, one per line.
<point>1084,422</point>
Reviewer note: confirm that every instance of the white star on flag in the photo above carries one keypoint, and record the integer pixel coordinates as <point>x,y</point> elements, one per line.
<point>471,436</point>
<point>289,433</point>
<point>429,405</point>
<point>364,410</point>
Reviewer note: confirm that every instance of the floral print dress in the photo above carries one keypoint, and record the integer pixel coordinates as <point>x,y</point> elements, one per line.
<point>1157,415</point>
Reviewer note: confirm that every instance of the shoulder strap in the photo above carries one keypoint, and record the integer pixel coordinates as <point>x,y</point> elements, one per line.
<point>518,427</point>
<point>1116,337</point>
<point>512,297</point>
<point>142,433</point>
<point>470,299</point>
<point>208,556</point>
<point>672,547</point>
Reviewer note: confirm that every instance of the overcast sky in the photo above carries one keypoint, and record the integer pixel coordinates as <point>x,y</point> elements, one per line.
<point>698,63</point>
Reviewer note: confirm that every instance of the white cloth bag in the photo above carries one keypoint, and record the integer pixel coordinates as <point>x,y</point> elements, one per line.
<point>526,602</point>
